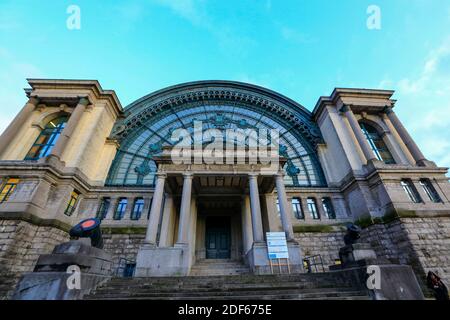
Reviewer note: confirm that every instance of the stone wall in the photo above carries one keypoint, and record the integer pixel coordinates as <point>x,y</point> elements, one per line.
<point>423,243</point>
<point>325,244</point>
<point>122,246</point>
<point>21,243</point>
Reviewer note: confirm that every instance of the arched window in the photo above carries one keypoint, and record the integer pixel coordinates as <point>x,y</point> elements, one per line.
<point>377,144</point>
<point>47,139</point>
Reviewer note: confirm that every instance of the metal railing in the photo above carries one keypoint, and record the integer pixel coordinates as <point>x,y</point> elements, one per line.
<point>313,264</point>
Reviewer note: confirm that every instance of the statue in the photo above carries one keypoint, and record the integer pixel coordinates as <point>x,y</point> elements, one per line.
<point>352,235</point>
<point>89,228</point>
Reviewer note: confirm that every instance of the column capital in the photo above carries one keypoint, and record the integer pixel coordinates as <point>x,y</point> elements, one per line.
<point>34,101</point>
<point>161,175</point>
<point>345,108</point>
<point>188,175</point>
<point>253,175</point>
<point>388,110</point>
<point>84,101</point>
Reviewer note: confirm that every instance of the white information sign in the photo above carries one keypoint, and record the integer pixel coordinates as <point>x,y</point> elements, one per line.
<point>277,245</point>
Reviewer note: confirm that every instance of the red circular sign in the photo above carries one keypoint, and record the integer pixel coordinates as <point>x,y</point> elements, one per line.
<point>88,224</point>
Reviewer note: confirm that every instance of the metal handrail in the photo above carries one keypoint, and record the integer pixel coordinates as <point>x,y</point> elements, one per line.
<point>308,265</point>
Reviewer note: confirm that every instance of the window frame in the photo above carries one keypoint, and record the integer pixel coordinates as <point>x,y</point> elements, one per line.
<point>312,204</point>
<point>52,135</point>
<point>123,208</point>
<point>140,202</point>
<point>411,191</point>
<point>103,209</point>
<point>430,190</point>
<point>297,208</point>
<point>328,208</point>
<point>72,204</point>
<point>12,186</point>
<point>372,137</point>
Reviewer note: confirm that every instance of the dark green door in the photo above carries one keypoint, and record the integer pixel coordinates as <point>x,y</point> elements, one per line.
<point>218,238</point>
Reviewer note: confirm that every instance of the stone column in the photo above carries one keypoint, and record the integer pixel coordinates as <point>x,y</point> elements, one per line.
<point>255,209</point>
<point>406,154</point>
<point>368,153</point>
<point>407,139</point>
<point>285,213</point>
<point>185,209</point>
<point>17,124</point>
<point>74,119</point>
<point>155,212</point>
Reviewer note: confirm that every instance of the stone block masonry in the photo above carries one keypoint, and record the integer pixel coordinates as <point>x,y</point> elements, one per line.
<point>122,246</point>
<point>21,243</point>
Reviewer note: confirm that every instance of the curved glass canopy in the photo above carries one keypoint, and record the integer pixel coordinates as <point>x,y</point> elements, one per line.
<point>133,165</point>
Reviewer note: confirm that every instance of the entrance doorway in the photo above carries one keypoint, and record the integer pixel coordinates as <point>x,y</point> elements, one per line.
<point>218,238</point>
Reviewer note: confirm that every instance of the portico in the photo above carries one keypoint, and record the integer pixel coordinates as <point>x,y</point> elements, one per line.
<point>202,211</point>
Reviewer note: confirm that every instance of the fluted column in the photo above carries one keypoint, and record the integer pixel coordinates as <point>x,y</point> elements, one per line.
<point>155,211</point>
<point>74,119</point>
<point>17,124</point>
<point>284,209</point>
<point>255,209</point>
<point>368,153</point>
<point>185,209</point>
<point>404,134</point>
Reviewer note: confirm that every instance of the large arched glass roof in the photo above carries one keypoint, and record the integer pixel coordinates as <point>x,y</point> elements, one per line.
<point>133,164</point>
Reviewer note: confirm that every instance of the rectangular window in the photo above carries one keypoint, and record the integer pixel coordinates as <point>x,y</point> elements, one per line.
<point>297,208</point>
<point>137,209</point>
<point>312,207</point>
<point>120,209</point>
<point>411,190</point>
<point>72,203</point>
<point>328,208</point>
<point>429,189</point>
<point>8,189</point>
<point>103,208</point>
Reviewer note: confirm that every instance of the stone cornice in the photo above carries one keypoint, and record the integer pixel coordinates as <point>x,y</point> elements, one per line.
<point>70,87</point>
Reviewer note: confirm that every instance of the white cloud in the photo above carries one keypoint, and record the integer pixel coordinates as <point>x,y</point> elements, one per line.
<point>424,103</point>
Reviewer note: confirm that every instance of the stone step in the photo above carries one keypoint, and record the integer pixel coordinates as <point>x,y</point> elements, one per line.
<point>209,287</point>
<point>247,292</point>
<point>319,295</point>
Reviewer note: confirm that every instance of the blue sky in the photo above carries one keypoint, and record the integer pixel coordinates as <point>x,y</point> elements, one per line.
<point>302,49</point>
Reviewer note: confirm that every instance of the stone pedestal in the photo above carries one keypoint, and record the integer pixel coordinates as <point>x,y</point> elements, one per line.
<point>258,259</point>
<point>152,261</point>
<point>357,254</point>
<point>49,279</point>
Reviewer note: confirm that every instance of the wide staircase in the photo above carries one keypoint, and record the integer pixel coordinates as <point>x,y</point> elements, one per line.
<point>213,267</point>
<point>319,286</point>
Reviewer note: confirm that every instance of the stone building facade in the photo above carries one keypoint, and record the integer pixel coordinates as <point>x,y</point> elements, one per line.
<point>73,152</point>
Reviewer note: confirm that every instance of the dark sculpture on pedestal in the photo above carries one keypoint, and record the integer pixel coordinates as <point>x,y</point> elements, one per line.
<point>352,235</point>
<point>89,228</point>
<point>81,258</point>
